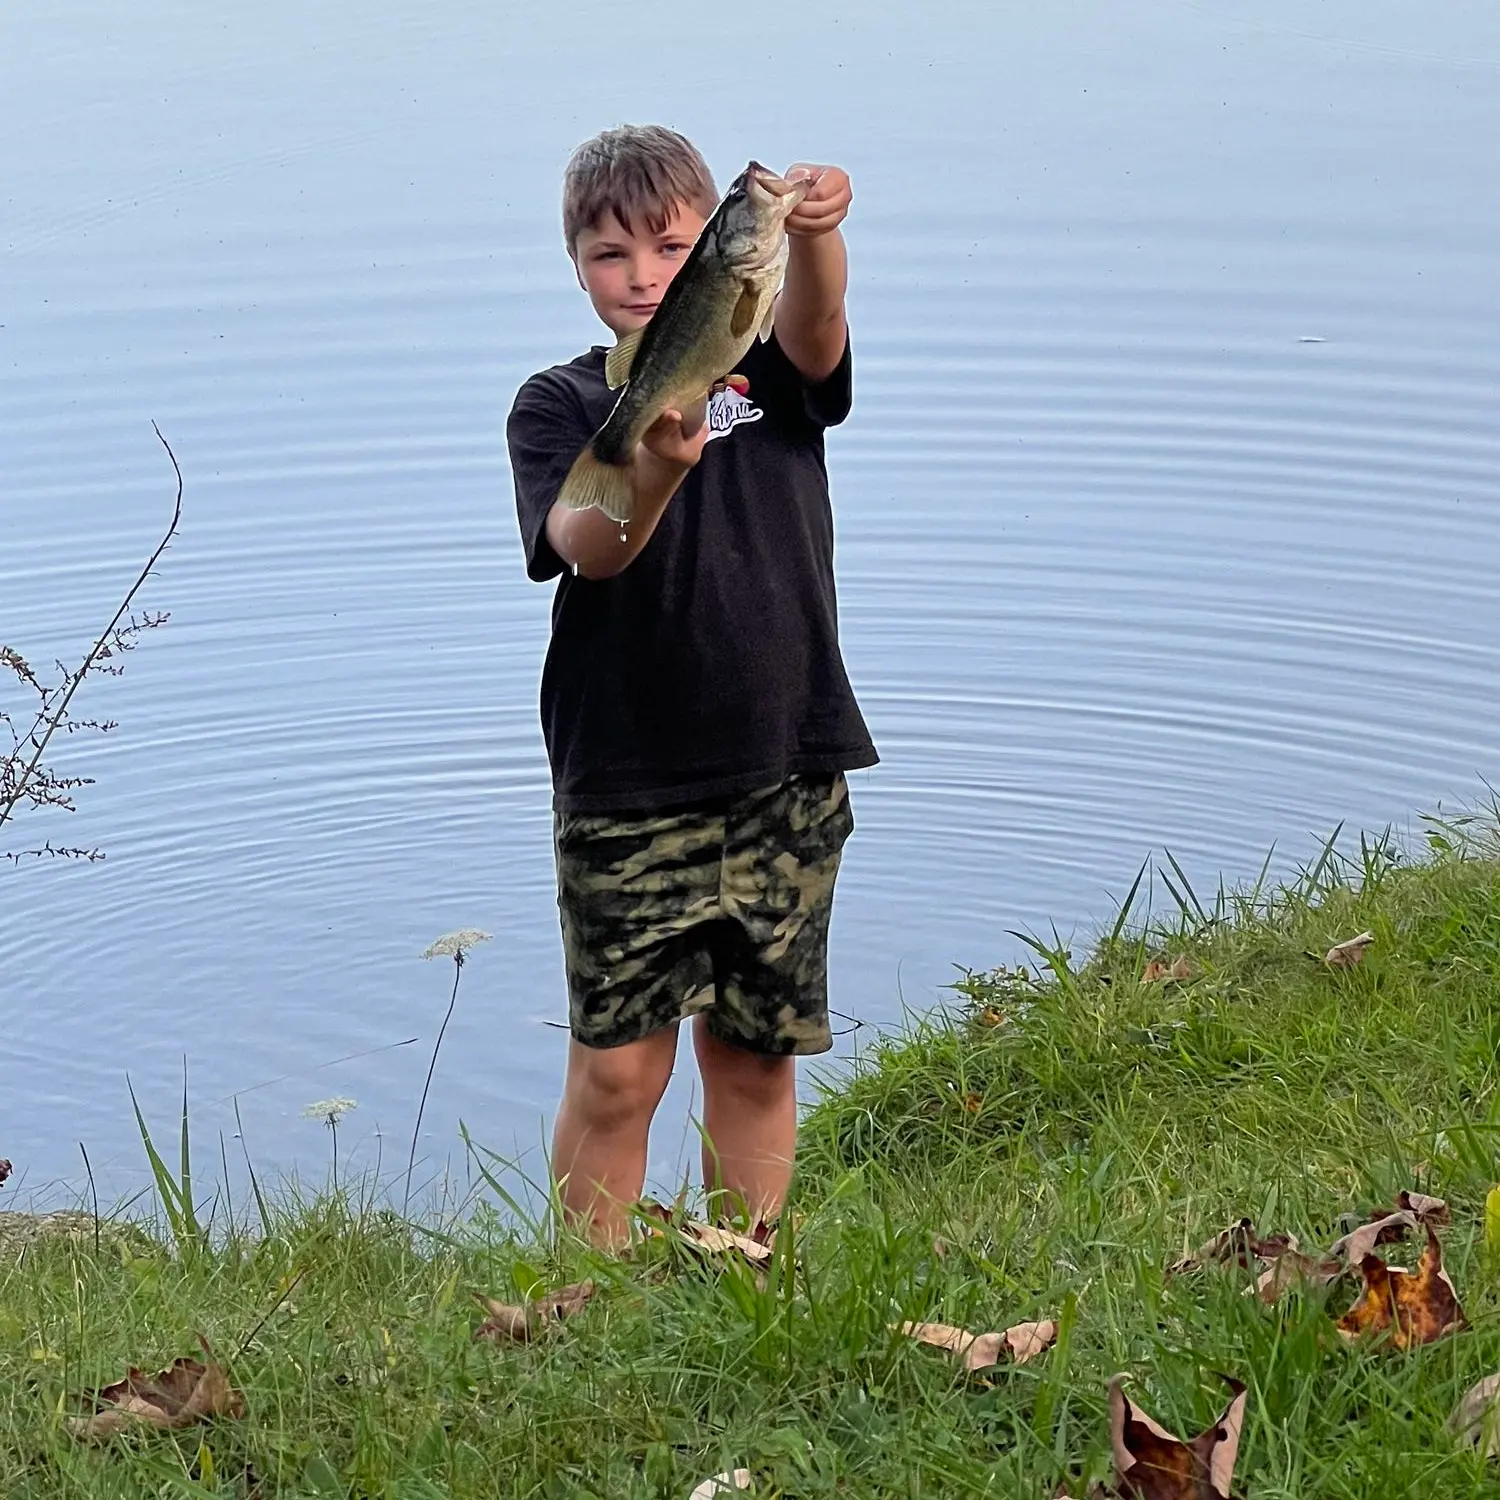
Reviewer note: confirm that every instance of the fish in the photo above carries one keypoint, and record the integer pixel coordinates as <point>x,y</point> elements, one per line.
<point>709,316</point>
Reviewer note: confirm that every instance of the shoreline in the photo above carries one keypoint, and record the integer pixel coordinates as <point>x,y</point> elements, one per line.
<point>1042,1151</point>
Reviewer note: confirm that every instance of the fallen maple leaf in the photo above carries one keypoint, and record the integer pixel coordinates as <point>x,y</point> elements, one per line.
<point>1294,1268</point>
<point>982,1351</point>
<point>1151,1464</point>
<point>1348,953</point>
<point>1384,1230</point>
<point>722,1484</point>
<point>1239,1244</point>
<point>1418,1308</point>
<point>1476,1421</point>
<point>510,1323</point>
<point>187,1391</point>
<point>1429,1210</point>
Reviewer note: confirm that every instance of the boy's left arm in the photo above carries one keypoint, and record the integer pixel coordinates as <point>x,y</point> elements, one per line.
<point>810,323</point>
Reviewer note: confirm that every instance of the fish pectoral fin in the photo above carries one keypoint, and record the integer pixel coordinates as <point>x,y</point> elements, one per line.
<point>618,361</point>
<point>768,323</point>
<point>742,319</point>
<point>593,483</point>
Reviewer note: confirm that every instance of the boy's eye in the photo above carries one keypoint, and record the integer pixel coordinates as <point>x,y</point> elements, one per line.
<point>676,247</point>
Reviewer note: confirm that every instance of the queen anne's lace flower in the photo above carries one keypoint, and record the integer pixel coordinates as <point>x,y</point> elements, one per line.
<point>331,1110</point>
<point>453,944</point>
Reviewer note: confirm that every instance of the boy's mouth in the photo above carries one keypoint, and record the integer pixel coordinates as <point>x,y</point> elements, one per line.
<point>646,308</point>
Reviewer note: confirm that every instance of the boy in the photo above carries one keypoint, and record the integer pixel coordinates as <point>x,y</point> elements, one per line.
<point>697,714</point>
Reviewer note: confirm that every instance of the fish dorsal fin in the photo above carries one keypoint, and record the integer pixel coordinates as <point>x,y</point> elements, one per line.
<point>742,319</point>
<point>618,361</point>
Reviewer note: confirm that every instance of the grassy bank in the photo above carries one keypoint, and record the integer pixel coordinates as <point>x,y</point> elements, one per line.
<point>1046,1148</point>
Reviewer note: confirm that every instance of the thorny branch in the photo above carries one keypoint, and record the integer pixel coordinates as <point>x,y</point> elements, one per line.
<point>24,776</point>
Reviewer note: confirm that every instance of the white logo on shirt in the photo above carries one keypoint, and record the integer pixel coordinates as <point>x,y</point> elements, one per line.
<point>727,409</point>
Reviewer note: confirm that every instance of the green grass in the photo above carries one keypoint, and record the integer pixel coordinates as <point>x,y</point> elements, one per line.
<point>1064,1156</point>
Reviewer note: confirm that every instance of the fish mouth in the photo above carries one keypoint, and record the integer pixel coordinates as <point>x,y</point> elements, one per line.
<point>771,193</point>
<point>773,182</point>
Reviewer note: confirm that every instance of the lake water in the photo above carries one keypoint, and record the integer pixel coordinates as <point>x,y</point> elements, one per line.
<point>1167,510</point>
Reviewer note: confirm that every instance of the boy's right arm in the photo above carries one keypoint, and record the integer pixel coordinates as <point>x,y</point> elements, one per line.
<point>596,547</point>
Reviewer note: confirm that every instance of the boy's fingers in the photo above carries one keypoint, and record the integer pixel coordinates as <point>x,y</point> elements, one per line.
<point>818,213</point>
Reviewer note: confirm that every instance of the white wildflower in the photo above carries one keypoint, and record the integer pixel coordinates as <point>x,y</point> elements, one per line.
<point>453,944</point>
<point>330,1110</point>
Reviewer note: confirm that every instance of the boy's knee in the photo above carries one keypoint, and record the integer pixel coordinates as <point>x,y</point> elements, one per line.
<point>618,1085</point>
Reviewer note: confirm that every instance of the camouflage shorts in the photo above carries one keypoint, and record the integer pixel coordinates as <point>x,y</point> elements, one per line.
<point>721,908</point>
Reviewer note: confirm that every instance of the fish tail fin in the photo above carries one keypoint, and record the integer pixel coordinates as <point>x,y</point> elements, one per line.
<point>592,482</point>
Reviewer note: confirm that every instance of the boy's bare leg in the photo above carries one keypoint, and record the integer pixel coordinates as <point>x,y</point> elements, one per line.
<point>749,1122</point>
<point>599,1137</point>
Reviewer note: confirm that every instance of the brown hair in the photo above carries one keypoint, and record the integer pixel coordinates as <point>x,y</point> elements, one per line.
<point>640,173</point>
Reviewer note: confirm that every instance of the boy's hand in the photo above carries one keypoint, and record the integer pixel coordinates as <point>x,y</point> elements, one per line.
<point>597,547</point>
<point>827,201</point>
<point>678,437</point>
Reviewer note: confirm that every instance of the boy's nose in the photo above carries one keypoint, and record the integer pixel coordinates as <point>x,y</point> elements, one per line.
<point>642,272</point>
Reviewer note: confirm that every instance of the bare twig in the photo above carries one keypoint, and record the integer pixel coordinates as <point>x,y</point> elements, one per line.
<point>52,714</point>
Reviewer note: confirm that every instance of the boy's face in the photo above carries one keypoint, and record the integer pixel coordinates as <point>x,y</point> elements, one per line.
<point>626,272</point>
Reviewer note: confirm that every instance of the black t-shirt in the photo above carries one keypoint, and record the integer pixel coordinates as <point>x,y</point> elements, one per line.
<point>710,666</point>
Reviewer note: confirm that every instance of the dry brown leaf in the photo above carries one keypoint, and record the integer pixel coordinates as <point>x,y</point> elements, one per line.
<point>1476,1421</point>
<point>1348,953</point>
<point>1158,970</point>
<point>718,1241</point>
<point>1296,1269</point>
<point>1027,1340</point>
<point>991,1015</point>
<point>1417,1308</point>
<point>1428,1210</point>
<point>722,1484</point>
<point>187,1391</point>
<point>973,1103</point>
<point>1239,1245</point>
<point>709,1238</point>
<point>1383,1230</point>
<point>508,1323</point>
<point>1151,1464</point>
<point>982,1351</point>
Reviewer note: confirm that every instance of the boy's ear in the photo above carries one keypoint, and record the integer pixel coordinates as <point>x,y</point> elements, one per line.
<point>577,269</point>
